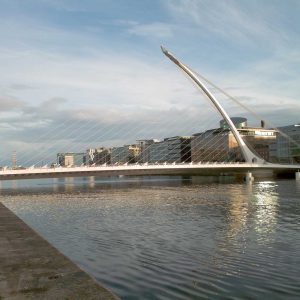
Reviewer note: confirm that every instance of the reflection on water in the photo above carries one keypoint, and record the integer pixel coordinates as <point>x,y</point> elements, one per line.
<point>171,238</point>
<point>73,184</point>
<point>238,211</point>
<point>298,185</point>
<point>91,182</point>
<point>266,201</point>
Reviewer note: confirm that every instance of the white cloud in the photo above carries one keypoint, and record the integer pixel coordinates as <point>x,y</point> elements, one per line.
<point>103,80</point>
<point>8,103</point>
<point>157,30</point>
<point>229,20</point>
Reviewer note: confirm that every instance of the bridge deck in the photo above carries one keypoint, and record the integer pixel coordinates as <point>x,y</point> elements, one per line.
<point>144,170</point>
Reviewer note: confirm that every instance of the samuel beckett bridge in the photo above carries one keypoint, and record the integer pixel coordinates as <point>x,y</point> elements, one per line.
<point>222,151</point>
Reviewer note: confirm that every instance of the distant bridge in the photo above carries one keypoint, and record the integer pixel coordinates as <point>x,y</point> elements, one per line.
<point>151,169</point>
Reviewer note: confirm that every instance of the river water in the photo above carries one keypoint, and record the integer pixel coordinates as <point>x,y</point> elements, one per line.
<point>171,238</point>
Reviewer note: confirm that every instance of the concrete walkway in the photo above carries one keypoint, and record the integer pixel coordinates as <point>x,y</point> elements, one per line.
<point>30,268</point>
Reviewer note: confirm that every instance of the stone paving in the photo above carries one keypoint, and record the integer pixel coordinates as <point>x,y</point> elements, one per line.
<point>31,268</point>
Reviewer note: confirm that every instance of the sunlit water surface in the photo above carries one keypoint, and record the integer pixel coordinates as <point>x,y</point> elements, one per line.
<point>161,238</point>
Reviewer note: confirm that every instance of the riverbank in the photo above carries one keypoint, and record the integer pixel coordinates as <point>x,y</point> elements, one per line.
<point>31,268</point>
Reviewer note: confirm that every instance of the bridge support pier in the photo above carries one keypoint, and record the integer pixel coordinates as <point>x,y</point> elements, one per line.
<point>249,177</point>
<point>297,175</point>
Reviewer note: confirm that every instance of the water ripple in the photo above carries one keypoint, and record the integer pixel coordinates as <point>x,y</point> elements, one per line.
<point>204,241</point>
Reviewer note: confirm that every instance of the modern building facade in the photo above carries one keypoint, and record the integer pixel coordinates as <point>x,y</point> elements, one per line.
<point>125,154</point>
<point>145,146</point>
<point>71,159</point>
<point>287,147</point>
<point>220,145</point>
<point>174,149</point>
<point>98,156</point>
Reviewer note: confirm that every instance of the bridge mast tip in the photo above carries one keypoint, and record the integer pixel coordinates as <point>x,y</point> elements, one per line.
<point>170,56</point>
<point>163,49</point>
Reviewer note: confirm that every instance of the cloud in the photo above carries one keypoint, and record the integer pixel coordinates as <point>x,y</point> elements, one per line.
<point>46,109</point>
<point>74,6</point>
<point>16,86</point>
<point>102,79</point>
<point>8,103</point>
<point>231,20</point>
<point>157,30</point>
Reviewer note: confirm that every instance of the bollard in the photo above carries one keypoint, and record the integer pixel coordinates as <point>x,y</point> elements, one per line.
<point>298,175</point>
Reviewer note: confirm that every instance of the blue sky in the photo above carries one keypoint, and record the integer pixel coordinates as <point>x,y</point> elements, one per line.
<point>97,64</point>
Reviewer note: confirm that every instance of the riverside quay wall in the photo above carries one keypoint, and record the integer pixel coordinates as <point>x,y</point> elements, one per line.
<point>31,268</point>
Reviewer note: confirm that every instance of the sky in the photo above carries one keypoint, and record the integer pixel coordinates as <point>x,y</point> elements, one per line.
<point>77,74</point>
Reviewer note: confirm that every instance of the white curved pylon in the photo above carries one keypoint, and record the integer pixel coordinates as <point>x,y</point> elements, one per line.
<point>249,156</point>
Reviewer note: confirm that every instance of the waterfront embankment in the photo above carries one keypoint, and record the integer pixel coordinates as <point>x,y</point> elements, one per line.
<point>31,268</point>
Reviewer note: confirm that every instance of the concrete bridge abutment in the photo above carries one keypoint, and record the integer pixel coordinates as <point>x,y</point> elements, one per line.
<point>249,177</point>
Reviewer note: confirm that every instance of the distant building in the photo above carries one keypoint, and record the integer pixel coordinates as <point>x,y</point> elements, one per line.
<point>158,152</point>
<point>98,156</point>
<point>214,145</point>
<point>174,149</point>
<point>125,154</point>
<point>71,159</point>
<point>287,147</point>
<point>145,146</point>
<point>220,144</point>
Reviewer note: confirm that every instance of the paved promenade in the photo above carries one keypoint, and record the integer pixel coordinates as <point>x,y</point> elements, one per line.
<point>30,268</point>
